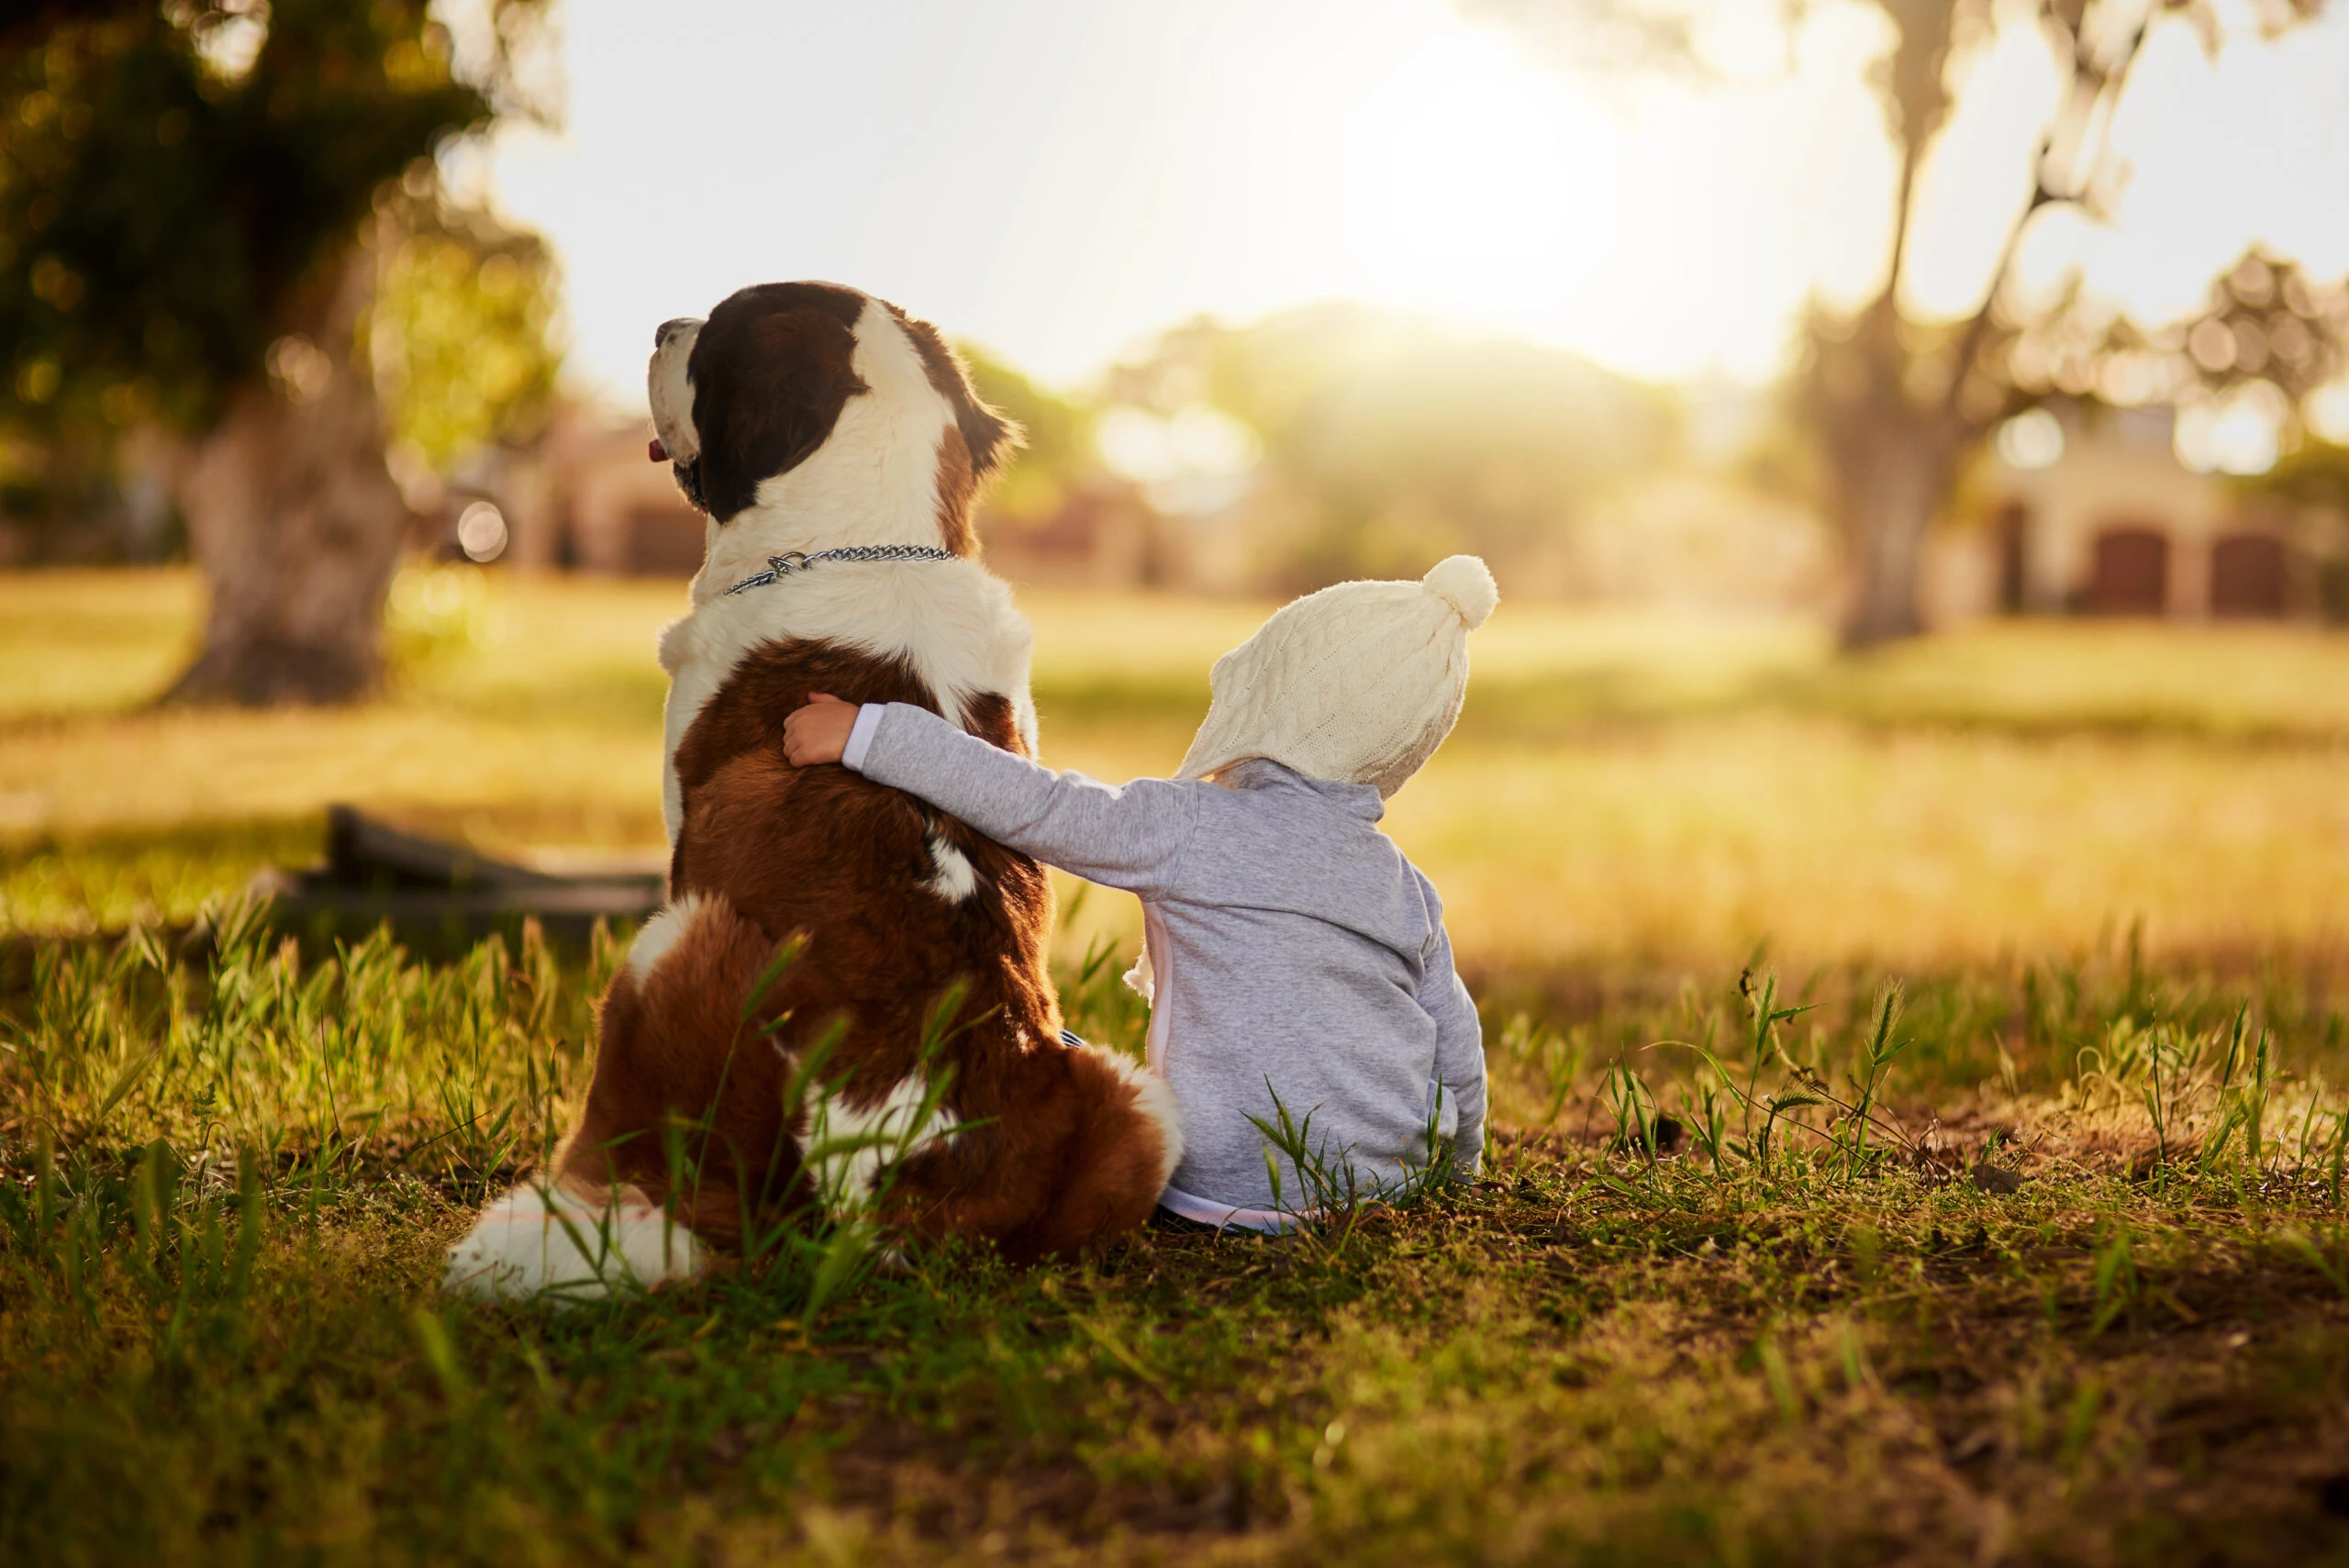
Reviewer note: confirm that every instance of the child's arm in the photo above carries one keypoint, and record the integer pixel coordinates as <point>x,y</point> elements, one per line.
<point>1131,838</point>
<point>1459,1053</point>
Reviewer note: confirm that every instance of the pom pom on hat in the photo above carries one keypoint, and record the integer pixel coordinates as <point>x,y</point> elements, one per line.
<point>1465,583</point>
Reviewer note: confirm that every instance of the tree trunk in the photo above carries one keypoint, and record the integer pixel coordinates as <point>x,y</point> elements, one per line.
<point>1890,491</point>
<point>1892,459</point>
<point>294,518</point>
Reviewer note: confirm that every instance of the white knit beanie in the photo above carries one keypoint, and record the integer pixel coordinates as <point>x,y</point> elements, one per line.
<point>1359,683</point>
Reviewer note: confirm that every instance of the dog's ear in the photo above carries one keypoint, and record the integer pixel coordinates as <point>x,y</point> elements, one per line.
<point>990,437</point>
<point>770,378</point>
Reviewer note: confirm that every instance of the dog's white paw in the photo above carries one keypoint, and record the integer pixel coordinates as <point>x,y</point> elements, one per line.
<point>538,1241</point>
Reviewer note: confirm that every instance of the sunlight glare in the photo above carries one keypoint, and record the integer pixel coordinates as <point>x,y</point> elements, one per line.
<point>1446,173</point>
<point>1141,165</point>
<point>2032,440</point>
<point>2240,434</point>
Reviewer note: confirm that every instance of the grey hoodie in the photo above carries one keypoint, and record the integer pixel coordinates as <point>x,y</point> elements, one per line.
<point>1296,953</point>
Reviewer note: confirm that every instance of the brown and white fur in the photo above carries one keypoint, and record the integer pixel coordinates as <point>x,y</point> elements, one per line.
<point>807,416</point>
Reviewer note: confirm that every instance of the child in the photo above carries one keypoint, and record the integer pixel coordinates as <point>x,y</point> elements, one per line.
<point>1295,950</point>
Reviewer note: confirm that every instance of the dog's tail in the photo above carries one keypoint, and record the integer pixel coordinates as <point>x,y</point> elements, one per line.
<point>1126,1141</point>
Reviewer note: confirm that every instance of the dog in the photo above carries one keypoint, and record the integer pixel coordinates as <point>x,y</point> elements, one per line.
<point>844,1005</point>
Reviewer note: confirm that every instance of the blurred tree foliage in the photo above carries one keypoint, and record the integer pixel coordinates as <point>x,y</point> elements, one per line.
<point>1900,407</point>
<point>173,172</point>
<point>1387,442</point>
<point>189,242</point>
<point>464,329</point>
<point>2316,473</point>
<point>1056,453</point>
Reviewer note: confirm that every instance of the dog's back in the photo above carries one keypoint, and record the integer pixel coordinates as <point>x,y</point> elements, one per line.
<point>780,1035</point>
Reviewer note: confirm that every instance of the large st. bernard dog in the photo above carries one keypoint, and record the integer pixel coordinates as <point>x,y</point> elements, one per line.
<point>806,419</point>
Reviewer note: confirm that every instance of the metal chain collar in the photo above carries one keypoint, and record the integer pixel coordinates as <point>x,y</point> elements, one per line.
<point>795,560</point>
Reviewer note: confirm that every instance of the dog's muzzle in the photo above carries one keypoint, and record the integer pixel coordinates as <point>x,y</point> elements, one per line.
<point>687,472</point>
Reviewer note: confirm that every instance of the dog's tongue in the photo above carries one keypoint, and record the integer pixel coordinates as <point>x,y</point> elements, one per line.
<point>659,453</point>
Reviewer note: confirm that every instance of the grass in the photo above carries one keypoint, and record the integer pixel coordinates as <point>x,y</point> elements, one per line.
<point>2048,1264</point>
<point>1633,790</point>
<point>228,1183</point>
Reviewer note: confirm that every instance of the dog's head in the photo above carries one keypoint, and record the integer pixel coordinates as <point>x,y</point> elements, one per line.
<point>810,399</point>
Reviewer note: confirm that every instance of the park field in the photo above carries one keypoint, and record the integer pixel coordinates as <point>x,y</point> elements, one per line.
<point>1917,1132</point>
<point>1630,789</point>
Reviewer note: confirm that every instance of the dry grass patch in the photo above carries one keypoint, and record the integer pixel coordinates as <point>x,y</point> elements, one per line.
<point>1625,788</point>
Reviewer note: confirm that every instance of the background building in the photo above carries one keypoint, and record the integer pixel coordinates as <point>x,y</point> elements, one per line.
<point>2093,513</point>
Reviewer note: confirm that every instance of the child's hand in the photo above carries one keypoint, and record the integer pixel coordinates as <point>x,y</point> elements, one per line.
<point>818,732</point>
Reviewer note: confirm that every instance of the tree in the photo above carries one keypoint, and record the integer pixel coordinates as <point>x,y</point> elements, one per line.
<point>190,240</point>
<point>1898,407</point>
<point>461,329</point>
<point>1386,441</point>
<point>1055,452</point>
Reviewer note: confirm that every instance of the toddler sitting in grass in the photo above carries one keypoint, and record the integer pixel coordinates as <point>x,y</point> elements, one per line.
<point>1295,962</point>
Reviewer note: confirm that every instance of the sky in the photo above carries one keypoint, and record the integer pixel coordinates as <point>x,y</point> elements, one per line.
<point>1058,179</point>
